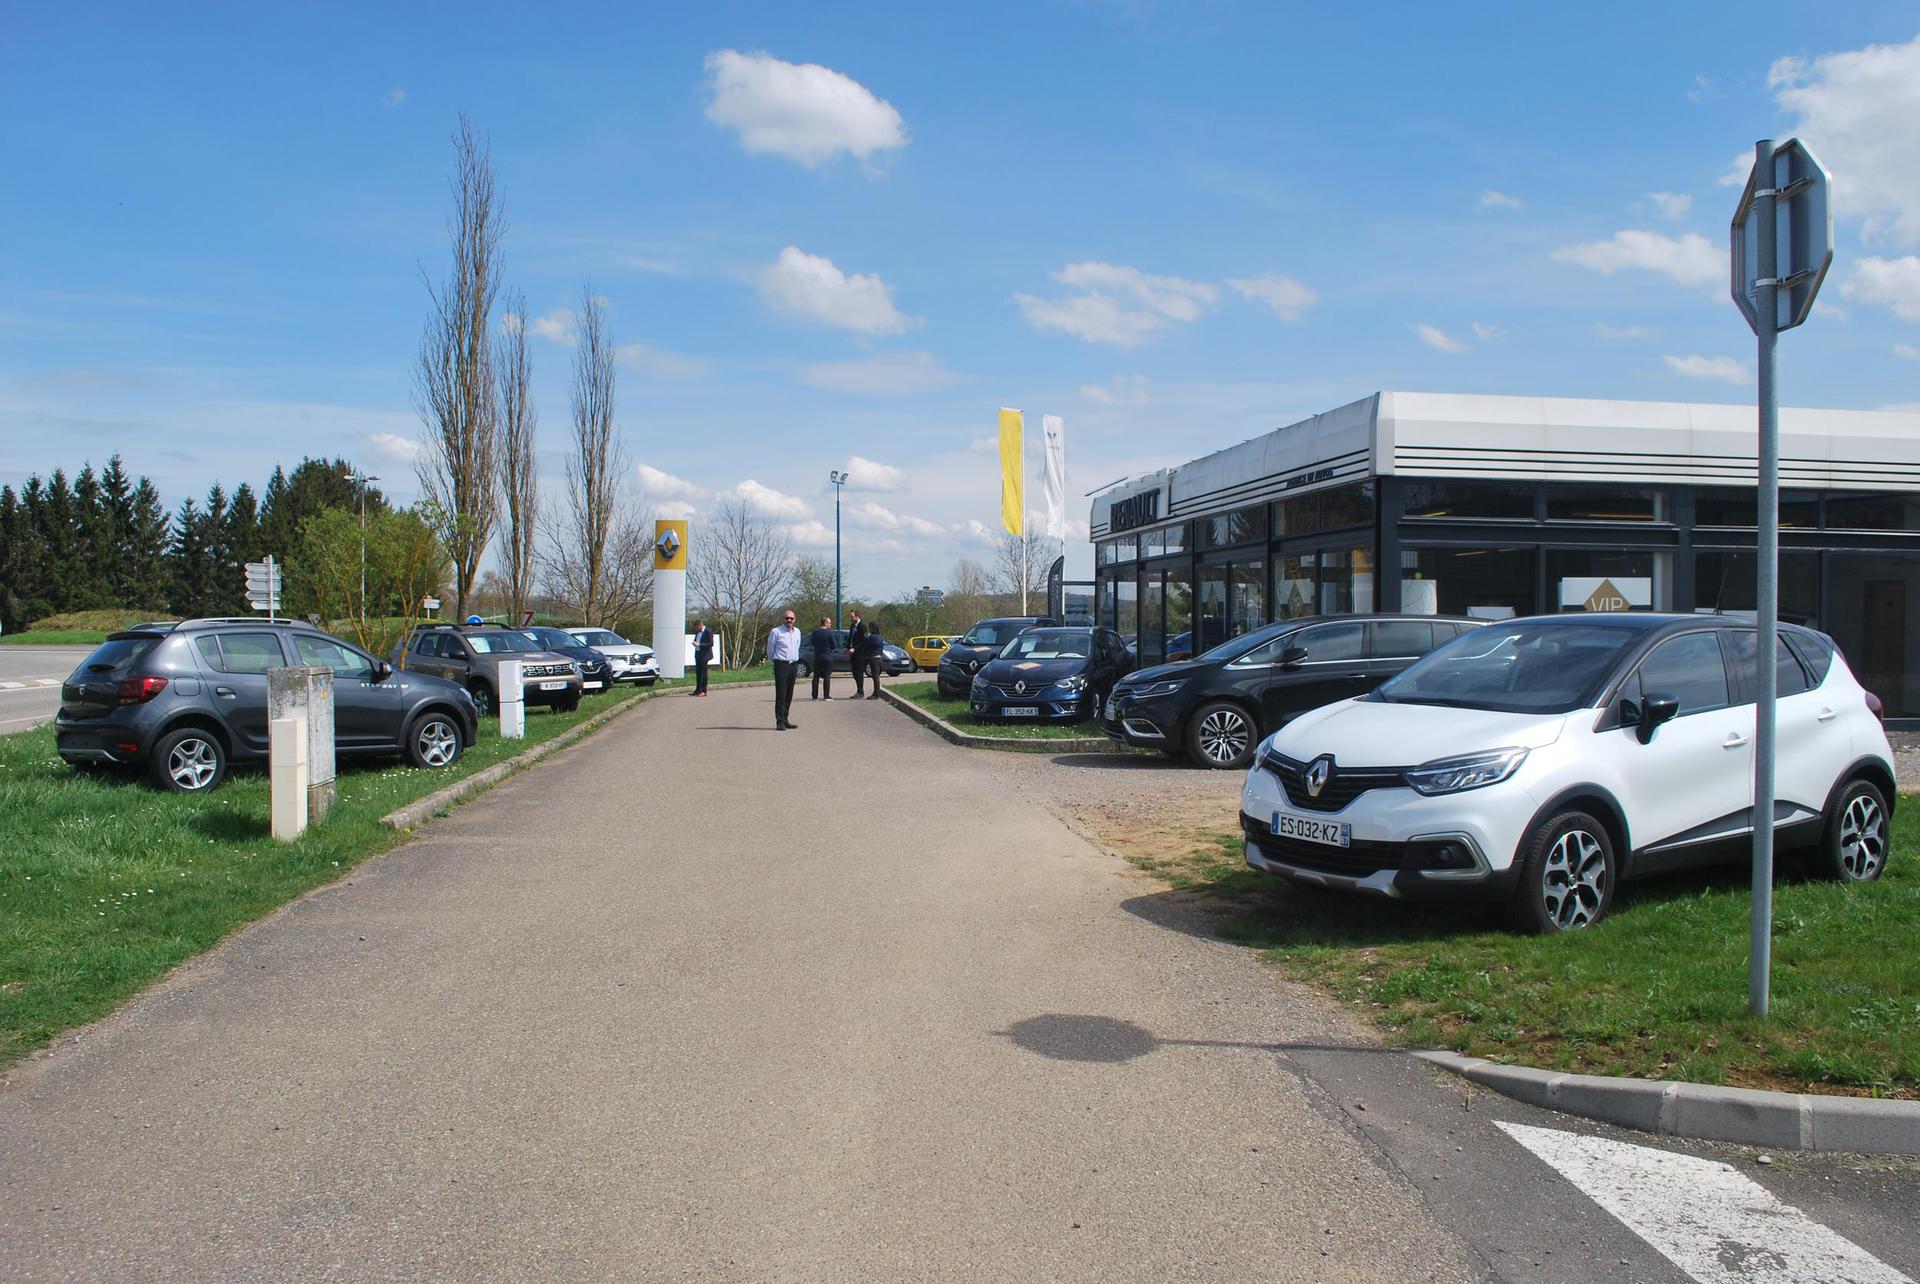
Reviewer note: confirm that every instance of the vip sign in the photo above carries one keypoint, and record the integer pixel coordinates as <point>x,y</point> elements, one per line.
<point>1605,593</point>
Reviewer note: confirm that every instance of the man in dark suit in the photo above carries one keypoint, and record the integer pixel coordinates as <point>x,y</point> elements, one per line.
<point>820,643</point>
<point>702,655</point>
<point>856,645</point>
<point>871,657</point>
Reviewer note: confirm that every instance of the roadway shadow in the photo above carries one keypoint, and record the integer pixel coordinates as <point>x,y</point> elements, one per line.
<point>1066,1036</point>
<point>1138,760</point>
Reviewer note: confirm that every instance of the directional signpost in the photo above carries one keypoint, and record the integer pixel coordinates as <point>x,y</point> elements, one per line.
<point>263,587</point>
<point>1782,246</point>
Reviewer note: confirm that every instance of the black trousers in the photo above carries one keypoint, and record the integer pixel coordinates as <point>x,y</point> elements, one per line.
<point>700,664</point>
<point>857,668</point>
<point>872,666</point>
<point>822,675</point>
<point>784,673</point>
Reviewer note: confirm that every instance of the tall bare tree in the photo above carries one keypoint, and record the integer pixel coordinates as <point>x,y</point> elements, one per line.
<point>1008,567</point>
<point>592,556</point>
<point>519,479</point>
<point>453,383</point>
<point>743,570</point>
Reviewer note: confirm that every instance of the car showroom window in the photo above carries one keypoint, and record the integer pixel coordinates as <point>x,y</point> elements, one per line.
<point>1333,643</point>
<point>1691,669</point>
<point>345,663</point>
<point>251,652</point>
<point>1790,678</point>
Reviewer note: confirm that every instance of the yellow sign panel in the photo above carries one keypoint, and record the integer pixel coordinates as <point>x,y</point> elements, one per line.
<point>670,546</point>
<point>1013,469</point>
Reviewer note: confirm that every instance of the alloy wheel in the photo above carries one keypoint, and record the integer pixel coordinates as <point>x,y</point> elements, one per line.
<point>192,764</point>
<point>1863,838</point>
<point>1224,736</point>
<point>1573,879</point>
<point>437,743</point>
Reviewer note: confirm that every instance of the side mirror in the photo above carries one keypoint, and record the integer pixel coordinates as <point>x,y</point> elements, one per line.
<point>382,670</point>
<point>1654,710</point>
<point>1293,657</point>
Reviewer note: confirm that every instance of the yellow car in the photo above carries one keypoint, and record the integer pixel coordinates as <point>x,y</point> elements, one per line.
<point>925,651</point>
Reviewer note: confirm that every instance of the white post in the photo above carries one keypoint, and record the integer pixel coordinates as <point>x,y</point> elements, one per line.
<point>305,691</point>
<point>513,701</point>
<point>287,769</point>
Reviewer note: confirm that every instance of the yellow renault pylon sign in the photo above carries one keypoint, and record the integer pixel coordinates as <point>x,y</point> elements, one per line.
<point>670,546</point>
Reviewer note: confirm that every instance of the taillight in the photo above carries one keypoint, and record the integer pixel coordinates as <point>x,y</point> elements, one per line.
<point>140,690</point>
<point>1876,708</point>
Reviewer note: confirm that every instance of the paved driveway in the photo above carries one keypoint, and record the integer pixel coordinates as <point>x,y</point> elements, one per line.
<point>30,678</point>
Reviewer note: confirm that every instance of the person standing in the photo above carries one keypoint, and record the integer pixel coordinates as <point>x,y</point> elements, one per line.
<point>820,642</point>
<point>702,655</point>
<point>856,645</point>
<point>872,656</point>
<point>783,648</point>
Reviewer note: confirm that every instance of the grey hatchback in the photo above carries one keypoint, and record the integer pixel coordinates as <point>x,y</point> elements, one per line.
<point>188,699</point>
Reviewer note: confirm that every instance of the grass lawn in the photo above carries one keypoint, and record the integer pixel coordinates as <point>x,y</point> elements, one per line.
<point>960,714</point>
<point>1658,989</point>
<point>105,883</point>
<point>54,637</point>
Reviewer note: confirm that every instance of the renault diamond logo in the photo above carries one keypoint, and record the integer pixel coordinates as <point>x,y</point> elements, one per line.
<point>1020,687</point>
<point>1317,774</point>
<point>668,544</point>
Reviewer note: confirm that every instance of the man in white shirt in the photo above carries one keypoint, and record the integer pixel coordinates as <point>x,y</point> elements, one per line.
<point>783,648</point>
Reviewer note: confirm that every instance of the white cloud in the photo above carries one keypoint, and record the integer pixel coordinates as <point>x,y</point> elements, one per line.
<point>1486,333</point>
<point>873,476</point>
<point>656,484</point>
<point>676,510</point>
<point>893,374</point>
<point>1118,305</point>
<point>871,516</point>
<point>1856,110</point>
<point>659,363</point>
<point>1735,174</point>
<point>1491,200</point>
<point>397,448</point>
<point>976,530</point>
<point>1434,337</point>
<point>802,111</point>
<point>1690,259</point>
<point>1671,204</point>
<point>1702,90</point>
<point>1906,352</point>
<point>1606,331</point>
<point>1287,298</point>
<point>768,502</point>
<point>1698,367</point>
<point>393,98</point>
<point>811,534</point>
<point>557,325</point>
<point>988,445</point>
<point>1891,283</point>
<point>1121,390</point>
<point>810,287</point>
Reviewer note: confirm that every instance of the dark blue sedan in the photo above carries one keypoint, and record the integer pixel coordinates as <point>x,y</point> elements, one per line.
<point>1050,675</point>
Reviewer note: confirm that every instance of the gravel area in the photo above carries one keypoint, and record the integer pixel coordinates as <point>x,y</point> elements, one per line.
<point>1906,758</point>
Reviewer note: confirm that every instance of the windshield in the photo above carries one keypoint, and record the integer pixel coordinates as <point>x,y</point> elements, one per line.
<point>1528,667</point>
<point>990,634</point>
<point>600,637</point>
<point>1234,648</point>
<point>501,643</point>
<point>551,638</point>
<point>1049,644</point>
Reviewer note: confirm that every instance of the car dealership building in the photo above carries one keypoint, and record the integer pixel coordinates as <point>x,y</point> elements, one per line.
<point>1496,506</point>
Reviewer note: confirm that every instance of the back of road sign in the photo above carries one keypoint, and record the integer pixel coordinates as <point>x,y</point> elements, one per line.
<point>1804,236</point>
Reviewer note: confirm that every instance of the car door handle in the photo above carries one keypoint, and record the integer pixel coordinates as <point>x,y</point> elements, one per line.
<point>1828,715</point>
<point>1734,741</point>
<point>226,693</point>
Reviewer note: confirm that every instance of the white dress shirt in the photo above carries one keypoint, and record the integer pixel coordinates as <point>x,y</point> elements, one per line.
<point>783,643</point>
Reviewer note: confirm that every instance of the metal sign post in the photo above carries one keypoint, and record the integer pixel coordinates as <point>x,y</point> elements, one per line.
<point>263,587</point>
<point>1777,270</point>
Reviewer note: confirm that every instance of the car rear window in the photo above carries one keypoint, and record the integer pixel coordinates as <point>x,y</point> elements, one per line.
<point>1790,678</point>
<point>1401,639</point>
<point>117,653</point>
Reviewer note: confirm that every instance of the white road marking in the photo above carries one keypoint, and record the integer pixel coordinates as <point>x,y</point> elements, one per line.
<point>1717,1225</point>
<point>30,684</point>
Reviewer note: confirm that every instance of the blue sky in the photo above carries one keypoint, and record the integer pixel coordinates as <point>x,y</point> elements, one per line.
<point>835,233</point>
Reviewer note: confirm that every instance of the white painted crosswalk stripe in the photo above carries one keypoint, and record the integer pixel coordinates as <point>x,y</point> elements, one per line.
<point>29,684</point>
<point>1717,1225</point>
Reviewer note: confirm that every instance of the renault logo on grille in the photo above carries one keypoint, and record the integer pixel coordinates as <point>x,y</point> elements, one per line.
<point>1317,773</point>
<point>1020,687</point>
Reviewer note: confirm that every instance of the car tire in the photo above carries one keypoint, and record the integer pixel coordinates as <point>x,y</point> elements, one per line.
<point>188,761</point>
<point>805,670</point>
<point>483,699</point>
<point>1853,842</point>
<point>1568,870</point>
<point>567,706</point>
<point>433,741</point>
<point>1222,735</point>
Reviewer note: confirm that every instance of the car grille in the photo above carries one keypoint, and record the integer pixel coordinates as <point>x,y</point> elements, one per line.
<point>1357,861</point>
<point>1342,787</point>
<point>547,670</point>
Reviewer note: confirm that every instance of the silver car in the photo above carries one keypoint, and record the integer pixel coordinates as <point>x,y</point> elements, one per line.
<point>631,662</point>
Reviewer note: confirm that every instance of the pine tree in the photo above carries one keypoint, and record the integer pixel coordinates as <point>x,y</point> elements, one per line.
<point>116,493</point>
<point>149,536</point>
<point>92,543</point>
<point>57,529</point>
<point>20,572</point>
<point>190,586</point>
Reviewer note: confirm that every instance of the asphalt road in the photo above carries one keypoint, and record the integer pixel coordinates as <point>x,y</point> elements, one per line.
<point>39,670</point>
<point>699,999</point>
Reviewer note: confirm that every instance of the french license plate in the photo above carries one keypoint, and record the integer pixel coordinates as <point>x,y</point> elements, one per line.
<point>589,686</point>
<point>553,686</point>
<point>1020,711</point>
<point>1328,833</point>
<point>1113,711</point>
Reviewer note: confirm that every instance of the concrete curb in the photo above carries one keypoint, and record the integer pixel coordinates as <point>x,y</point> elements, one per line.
<point>439,801</point>
<point>1667,1107</point>
<point>1006,744</point>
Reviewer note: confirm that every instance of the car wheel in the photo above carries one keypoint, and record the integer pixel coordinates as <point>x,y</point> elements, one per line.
<point>434,742</point>
<point>805,670</point>
<point>188,761</point>
<point>567,706</point>
<point>1221,735</point>
<point>483,697</point>
<point>1853,845</point>
<point>1567,873</point>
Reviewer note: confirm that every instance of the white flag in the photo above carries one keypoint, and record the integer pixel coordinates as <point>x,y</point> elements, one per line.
<point>1054,479</point>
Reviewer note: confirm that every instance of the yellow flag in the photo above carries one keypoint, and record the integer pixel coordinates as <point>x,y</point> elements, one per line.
<point>1013,461</point>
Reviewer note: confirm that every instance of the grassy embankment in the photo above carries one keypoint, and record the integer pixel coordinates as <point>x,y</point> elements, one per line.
<point>960,714</point>
<point>1657,990</point>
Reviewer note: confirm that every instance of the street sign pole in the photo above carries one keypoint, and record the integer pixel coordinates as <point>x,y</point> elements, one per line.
<point>1767,572</point>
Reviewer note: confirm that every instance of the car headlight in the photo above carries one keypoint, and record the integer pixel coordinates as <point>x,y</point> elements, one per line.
<point>1470,771</point>
<point>1077,682</point>
<point>1153,689</point>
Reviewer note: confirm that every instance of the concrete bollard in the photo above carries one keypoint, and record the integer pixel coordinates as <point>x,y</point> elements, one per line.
<point>287,767</point>
<point>513,701</point>
<point>306,691</point>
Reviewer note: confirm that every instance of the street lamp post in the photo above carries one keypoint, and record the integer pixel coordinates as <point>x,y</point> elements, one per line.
<point>838,479</point>
<point>363,479</point>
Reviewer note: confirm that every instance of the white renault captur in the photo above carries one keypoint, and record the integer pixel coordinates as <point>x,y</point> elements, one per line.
<point>1540,761</point>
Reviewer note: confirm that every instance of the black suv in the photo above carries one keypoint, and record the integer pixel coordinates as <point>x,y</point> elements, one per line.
<point>1216,707</point>
<point>190,698</point>
<point>960,661</point>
